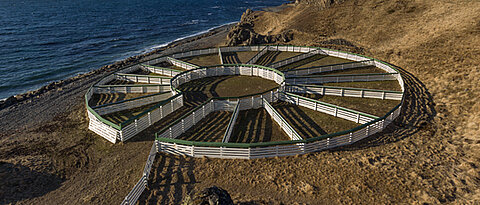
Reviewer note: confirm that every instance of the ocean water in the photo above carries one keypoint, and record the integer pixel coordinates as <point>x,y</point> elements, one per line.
<point>49,40</point>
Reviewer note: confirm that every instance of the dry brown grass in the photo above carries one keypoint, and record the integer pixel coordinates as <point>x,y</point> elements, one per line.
<point>203,60</point>
<point>238,57</point>
<point>228,86</point>
<point>430,155</point>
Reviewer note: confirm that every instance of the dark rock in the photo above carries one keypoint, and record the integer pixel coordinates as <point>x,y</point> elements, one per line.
<point>244,34</point>
<point>209,196</point>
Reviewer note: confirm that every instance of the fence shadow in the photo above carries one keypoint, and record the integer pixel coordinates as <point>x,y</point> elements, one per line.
<point>299,120</point>
<point>417,112</point>
<point>20,183</point>
<point>171,178</point>
<point>231,58</point>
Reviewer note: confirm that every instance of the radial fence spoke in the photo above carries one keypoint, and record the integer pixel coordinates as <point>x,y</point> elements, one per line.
<point>328,68</point>
<point>149,79</point>
<point>344,91</point>
<point>260,53</point>
<point>294,59</point>
<point>131,103</point>
<point>161,70</point>
<point>182,64</point>
<point>231,123</point>
<point>286,127</point>
<point>334,110</point>
<point>319,79</point>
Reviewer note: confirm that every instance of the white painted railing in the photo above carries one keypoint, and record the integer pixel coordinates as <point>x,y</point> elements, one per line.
<point>293,59</point>
<point>147,88</point>
<point>131,103</point>
<point>220,55</point>
<point>317,79</point>
<point>161,70</point>
<point>247,70</point>
<point>182,64</point>
<point>231,123</point>
<point>334,110</point>
<point>135,125</point>
<point>345,92</point>
<point>328,68</point>
<point>257,56</point>
<point>137,190</point>
<point>143,78</point>
<point>287,128</point>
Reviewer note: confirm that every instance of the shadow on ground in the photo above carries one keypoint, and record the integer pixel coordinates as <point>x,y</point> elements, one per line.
<point>19,182</point>
<point>417,113</point>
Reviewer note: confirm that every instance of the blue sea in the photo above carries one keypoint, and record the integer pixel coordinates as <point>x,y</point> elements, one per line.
<point>42,41</point>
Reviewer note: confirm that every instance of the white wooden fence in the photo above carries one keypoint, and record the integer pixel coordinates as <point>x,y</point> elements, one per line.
<point>247,70</point>
<point>342,78</point>
<point>131,103</point>
<point>137,190</point>
<point>220,55</point>
<point>287,128</point>
<point>161,70</point>
<point>100,125</point>
<point>231,123</point>
<point>293,59</point>
<point>257,56</point>
<point>144,120</point>
<point>345,92</point>
<point>328,68</point>
<point>129,88</point>
<point>334,110</point>
<point>150,79</point>
<point>182,64</point>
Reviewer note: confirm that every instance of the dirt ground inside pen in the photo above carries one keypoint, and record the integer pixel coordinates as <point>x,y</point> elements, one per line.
<point>430,155</point>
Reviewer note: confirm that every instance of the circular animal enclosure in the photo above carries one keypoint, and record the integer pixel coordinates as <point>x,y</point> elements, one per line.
<point>320,99</point>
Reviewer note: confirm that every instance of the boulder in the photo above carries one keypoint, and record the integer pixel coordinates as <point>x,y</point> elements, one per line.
<point>209,196</point>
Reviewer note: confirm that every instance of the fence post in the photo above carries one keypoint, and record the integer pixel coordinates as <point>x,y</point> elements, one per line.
<point>136,126</point>
<point>183,126</point>
<point>149,119</point>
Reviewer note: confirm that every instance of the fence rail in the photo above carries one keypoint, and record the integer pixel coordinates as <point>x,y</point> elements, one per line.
<point>294,59</point>
<point>231,123</point>
<point>341,78</point>
<point>257,56</point>
<point>128,88</point>
<point>227,69</point>
<point>287,128</point>
<point>345,92</point>
<point>182,64</point>
<point>150,79</point>
<point>131,103</point>
<point>161,70</point>
<point>334,110</point>
<point>328,68</point>
<point>140,186</point>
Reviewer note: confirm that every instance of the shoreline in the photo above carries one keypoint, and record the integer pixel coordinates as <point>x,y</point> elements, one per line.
<point>167,48</point>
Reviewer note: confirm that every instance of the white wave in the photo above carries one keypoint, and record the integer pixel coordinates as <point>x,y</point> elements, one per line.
<point>152,48</point>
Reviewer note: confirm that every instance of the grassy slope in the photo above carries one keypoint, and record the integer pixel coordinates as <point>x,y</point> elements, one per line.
<point>430,155</point>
